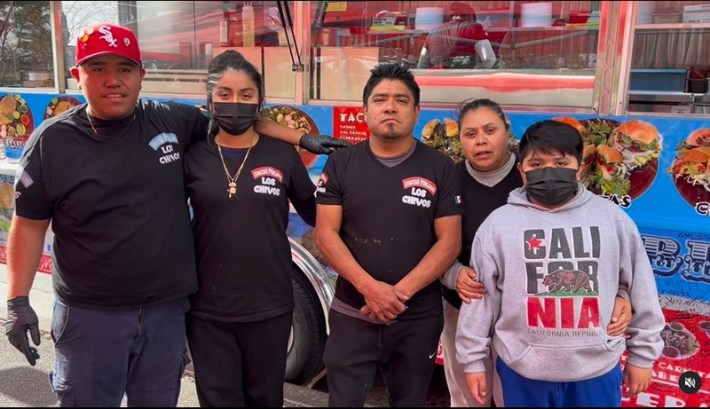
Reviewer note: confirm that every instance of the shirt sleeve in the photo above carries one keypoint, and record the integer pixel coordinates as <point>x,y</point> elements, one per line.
<point>647,321</point>
<point>194,120</point>
<point>31,199</point>
<point>448,279</point>
<point>477,318</point>
<point>424,56</point>
<point>449,201</point>
<point>474,32</point>
<point>328,191</point>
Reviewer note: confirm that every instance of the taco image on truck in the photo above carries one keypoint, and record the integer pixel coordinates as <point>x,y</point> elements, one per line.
<point>691,168</point>
<point>572,122</point>
<point>600,169</point>
<point>609,175</point>
<point>590,149</point>
<point>589,156</point>
<point>699,137</point>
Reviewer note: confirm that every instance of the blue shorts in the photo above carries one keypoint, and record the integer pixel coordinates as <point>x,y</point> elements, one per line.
<point>100,355</point>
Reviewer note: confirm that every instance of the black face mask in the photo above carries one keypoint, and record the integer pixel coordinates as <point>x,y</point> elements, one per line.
<point>235,117</point>
<point>551,186</point>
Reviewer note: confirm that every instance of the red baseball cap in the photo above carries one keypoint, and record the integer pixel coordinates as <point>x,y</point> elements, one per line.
<point>461,9</point>
<point>103,39</point>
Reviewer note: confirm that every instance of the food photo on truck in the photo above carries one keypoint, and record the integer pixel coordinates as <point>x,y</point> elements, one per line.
<point>632,76</point>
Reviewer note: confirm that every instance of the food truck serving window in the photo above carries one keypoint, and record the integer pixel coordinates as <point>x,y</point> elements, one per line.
<point>516,52</point>
<point>25,46</point>
<point>670,65</point>
<point>179,38</point>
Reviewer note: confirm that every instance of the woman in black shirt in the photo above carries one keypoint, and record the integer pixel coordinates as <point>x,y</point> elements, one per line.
<point>239,186</point>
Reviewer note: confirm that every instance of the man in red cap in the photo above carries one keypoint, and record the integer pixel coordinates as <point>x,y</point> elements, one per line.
<point>109,176</point>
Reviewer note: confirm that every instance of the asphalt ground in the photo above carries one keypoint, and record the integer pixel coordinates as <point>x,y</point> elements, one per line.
<point>22,385</point>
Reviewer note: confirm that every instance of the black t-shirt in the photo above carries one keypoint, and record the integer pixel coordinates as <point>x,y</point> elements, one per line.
<point>388,215</point>
<point>479,201</point>
<point>116,200</point>
<point>243,253</point>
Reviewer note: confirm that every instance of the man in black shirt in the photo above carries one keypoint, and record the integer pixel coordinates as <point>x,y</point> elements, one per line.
<point>389,222</point>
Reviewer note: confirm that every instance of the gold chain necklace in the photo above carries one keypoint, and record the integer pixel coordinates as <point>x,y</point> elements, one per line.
<point>91,122</point>
<point>232,180</point>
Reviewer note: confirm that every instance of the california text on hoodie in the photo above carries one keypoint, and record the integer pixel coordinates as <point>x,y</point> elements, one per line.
<point>552,276</point>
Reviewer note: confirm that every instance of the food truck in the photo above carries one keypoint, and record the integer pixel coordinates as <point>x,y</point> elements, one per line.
<point>632,75</point>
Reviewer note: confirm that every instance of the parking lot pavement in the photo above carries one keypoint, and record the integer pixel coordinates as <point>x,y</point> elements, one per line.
<point>22,385</point>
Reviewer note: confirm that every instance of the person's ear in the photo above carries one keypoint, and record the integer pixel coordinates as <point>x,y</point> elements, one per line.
<point>74,72</point>
<point>522,174</point>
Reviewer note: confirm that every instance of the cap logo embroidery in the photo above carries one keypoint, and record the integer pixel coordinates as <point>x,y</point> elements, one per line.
<point>108,36</point>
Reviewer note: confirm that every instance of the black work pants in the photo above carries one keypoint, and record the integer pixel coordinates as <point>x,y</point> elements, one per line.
<point>404,352</point>
<point>239,364</point>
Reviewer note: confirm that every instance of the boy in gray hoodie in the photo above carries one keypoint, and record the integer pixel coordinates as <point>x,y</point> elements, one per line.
<point>553,260</point>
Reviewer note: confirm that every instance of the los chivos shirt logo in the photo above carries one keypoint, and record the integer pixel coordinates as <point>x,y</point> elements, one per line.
<point>418,191</point>
<point>266,178</point>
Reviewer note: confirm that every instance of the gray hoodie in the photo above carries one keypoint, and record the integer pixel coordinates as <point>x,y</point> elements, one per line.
<point>552,276</point>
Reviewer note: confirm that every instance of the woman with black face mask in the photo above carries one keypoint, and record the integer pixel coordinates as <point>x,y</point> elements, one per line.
<point>239,185</point>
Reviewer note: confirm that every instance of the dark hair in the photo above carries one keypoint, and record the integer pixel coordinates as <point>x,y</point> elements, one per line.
<point>229,59</point>
<point>476,104</point>
<point>551,136</point>
<point>391,71</point>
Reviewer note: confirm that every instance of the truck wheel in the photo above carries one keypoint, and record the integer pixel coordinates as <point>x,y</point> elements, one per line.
<point>307,339</point>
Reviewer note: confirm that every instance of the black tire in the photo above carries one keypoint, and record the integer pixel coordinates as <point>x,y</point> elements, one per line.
<point>307,340</point>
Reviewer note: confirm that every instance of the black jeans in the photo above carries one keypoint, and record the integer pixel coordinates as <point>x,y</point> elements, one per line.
<point>239,364</point>
<point>404,352</point>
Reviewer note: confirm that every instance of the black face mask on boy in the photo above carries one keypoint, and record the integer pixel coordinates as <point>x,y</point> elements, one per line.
<point>235,117</point>
<point>551,186</point>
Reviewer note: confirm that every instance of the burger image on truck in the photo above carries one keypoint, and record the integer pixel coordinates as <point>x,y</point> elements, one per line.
<point>443,135</point>
<point>640,145</point>
<point>691,168</point>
